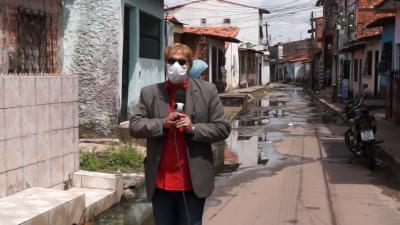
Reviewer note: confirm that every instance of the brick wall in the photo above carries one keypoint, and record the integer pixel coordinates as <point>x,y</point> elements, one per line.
<point>8,32</point>
<point>38,131</point>
<point>365,15</point>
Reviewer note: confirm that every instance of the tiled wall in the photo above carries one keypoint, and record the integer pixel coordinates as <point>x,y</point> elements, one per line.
<point>38,131</point>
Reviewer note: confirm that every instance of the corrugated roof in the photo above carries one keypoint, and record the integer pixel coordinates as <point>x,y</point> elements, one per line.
<point>297,57</point>
<point>220,33</point>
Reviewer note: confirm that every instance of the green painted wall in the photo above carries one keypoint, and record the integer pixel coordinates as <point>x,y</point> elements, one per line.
<point>143,72</point>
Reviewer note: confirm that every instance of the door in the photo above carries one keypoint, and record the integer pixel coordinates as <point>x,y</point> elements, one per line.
<point>376,74</point>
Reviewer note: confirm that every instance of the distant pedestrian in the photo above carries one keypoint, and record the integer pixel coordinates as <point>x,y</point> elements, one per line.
<point>179,162</point>
<point>198,67</point>
<point>328,77</point>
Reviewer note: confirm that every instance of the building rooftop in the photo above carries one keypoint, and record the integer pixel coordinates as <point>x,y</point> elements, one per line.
<point>220,33</point>
<point>174,20</point>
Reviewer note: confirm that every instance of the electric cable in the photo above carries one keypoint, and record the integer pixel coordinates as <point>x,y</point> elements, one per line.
<point>183,179</point>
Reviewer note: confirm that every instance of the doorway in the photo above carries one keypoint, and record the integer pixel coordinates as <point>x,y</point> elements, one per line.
<point>376,74</point>
<point>125,67</point>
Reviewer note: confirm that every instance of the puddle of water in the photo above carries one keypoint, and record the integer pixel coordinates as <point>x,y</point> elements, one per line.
<point>135,212</point>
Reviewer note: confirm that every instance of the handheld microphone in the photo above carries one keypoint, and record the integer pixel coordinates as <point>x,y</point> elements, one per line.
<point>180,101</point>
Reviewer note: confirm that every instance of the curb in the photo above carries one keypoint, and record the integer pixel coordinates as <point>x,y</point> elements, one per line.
<point>339,114</point>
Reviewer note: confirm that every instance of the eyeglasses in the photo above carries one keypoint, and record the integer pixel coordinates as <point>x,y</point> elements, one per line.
<point>181,62</point>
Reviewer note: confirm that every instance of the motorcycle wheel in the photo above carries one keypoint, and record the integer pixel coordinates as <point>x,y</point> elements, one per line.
<point>349,144</point>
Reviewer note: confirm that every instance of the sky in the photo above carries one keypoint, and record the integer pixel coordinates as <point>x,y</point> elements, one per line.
<point>289,20</point>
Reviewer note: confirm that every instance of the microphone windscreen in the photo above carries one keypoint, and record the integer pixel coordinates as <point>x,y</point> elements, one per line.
<point>180,96</point>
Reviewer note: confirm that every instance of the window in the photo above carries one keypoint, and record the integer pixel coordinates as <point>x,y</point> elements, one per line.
<point>369,64</point>
<point>203,21</point>
<point>150,36</point>
<point>227,21</point>
<point>355,70</point>
<point>34,51</point>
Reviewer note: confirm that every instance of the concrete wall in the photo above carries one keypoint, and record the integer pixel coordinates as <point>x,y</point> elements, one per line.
<point>9,26</point>
<point>92,31</point>
<point>370,80</point>
<point>38,131</point>
<point>355,85</point>
<point>232,66</point>
<point>93,50</point>
<point>266,73</point>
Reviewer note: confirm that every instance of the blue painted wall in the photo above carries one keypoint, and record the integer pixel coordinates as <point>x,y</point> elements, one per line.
<point>143,72</point>
<point>388,35</point>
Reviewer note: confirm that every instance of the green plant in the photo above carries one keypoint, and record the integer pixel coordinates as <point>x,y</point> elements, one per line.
<point>259,93</point>
<point>114,159</point>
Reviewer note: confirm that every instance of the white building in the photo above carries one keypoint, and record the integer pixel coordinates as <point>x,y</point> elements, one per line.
<point>250,20</point>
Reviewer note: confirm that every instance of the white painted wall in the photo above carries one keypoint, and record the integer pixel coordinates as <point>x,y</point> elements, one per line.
<point>370,80</point>
<point>265,77</point>
<point>245,18</point>
<point>232,66</point>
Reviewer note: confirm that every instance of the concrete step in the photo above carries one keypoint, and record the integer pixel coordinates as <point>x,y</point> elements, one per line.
<point>96,200</point>
<point>101,190</point>
<point>41,206</point>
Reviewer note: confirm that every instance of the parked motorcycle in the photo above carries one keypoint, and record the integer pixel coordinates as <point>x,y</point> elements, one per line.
<point>360,135</point>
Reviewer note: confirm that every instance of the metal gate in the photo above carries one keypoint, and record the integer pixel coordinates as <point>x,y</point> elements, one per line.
<point>34,52</point>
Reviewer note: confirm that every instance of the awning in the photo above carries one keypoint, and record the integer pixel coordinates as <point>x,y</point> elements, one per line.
<point>353,46</point>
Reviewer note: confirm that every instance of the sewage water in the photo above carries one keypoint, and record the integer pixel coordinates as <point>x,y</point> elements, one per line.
<point>249,146</point>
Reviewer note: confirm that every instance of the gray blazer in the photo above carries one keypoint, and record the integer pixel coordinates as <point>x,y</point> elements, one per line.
<point>204,106</point>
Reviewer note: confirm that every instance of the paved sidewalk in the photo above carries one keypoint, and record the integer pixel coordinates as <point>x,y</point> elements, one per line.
<point>387,131</point>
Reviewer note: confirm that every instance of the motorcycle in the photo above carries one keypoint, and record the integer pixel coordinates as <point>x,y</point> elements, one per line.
<point>361,132</point>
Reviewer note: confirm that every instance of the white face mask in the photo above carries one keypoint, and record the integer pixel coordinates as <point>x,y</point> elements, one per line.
<point>176,73</point>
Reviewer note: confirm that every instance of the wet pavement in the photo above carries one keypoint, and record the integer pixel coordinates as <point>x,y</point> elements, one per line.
<point>286,163</point>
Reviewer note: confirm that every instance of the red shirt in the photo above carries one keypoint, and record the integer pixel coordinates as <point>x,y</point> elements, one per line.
<point>169,175</point>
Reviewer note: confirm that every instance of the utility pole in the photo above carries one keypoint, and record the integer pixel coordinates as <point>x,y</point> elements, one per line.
<point>312,41</point>
<point>266,31</point>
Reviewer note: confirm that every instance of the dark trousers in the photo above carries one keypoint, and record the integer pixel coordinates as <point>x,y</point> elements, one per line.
<point>169,208</point>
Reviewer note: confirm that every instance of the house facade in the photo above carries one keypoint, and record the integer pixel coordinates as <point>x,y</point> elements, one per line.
<point>292,61</point>
<point>390,59</point>
<point>38,104</point>
<point>252,31</point>
<point>208,44</point>
<point>116,48</point>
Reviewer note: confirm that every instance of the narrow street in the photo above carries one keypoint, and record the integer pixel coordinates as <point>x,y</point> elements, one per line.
<point>294,170</point>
